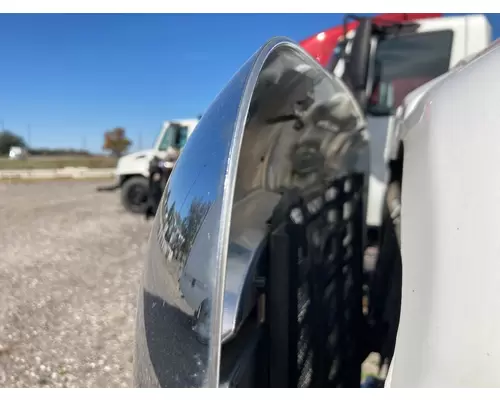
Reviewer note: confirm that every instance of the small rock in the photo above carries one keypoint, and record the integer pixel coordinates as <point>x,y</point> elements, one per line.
<point>43,381</point>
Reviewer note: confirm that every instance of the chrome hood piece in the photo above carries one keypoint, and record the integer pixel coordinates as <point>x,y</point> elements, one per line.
<point>281,113</point>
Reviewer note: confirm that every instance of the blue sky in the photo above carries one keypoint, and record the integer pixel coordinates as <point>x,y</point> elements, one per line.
<point>71,77</point>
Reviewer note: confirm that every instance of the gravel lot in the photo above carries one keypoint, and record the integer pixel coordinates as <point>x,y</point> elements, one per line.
<point>69,274</point>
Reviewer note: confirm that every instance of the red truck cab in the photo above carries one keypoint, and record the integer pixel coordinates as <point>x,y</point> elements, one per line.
<point>322,44</point>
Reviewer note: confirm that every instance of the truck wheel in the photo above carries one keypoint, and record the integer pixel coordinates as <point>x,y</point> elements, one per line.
<point>134,194</point>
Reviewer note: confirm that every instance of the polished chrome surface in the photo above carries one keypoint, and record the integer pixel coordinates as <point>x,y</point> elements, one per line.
<point>209,234</point>
<point>179,271</point>
<point>261,167</point>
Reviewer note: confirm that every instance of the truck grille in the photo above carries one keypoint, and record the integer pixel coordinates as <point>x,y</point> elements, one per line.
<point>317,258</point>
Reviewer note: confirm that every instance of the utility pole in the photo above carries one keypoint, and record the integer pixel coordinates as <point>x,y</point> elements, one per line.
<point>29,136</point>
<point>139,142</point>
<point>84,143</point>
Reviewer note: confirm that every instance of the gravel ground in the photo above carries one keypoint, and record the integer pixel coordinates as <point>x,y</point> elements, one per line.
<point>69,274</point>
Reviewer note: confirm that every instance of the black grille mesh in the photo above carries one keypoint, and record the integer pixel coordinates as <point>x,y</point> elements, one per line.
<point>325,240</point>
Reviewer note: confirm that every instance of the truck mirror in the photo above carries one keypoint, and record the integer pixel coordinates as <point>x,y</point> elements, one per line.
<point>357,64</point>
<point>201,315</point>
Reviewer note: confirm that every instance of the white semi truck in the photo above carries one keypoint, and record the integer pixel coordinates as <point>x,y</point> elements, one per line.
<point>402,69</point>
<point>132,170</point>
<point>404,63</point>
<point>404,57</point>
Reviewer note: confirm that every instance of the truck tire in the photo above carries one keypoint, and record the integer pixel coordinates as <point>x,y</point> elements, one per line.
<point>134,194</point>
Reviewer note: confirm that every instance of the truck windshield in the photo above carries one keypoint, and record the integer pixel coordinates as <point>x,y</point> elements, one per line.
<point>403,63</point>
<point>175,136</point>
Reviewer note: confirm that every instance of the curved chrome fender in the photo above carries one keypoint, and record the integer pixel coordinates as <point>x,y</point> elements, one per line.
<point>198,284</point>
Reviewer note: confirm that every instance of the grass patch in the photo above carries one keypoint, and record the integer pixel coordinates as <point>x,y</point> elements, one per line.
<point>52,162</point>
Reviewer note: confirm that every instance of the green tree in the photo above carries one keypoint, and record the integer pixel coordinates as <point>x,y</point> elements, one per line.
<point>116,142</point>
<point>9,139</point>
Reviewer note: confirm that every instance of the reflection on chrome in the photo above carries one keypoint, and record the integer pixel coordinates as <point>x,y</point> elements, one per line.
<point>171,350</point>
<point>302,132</point>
